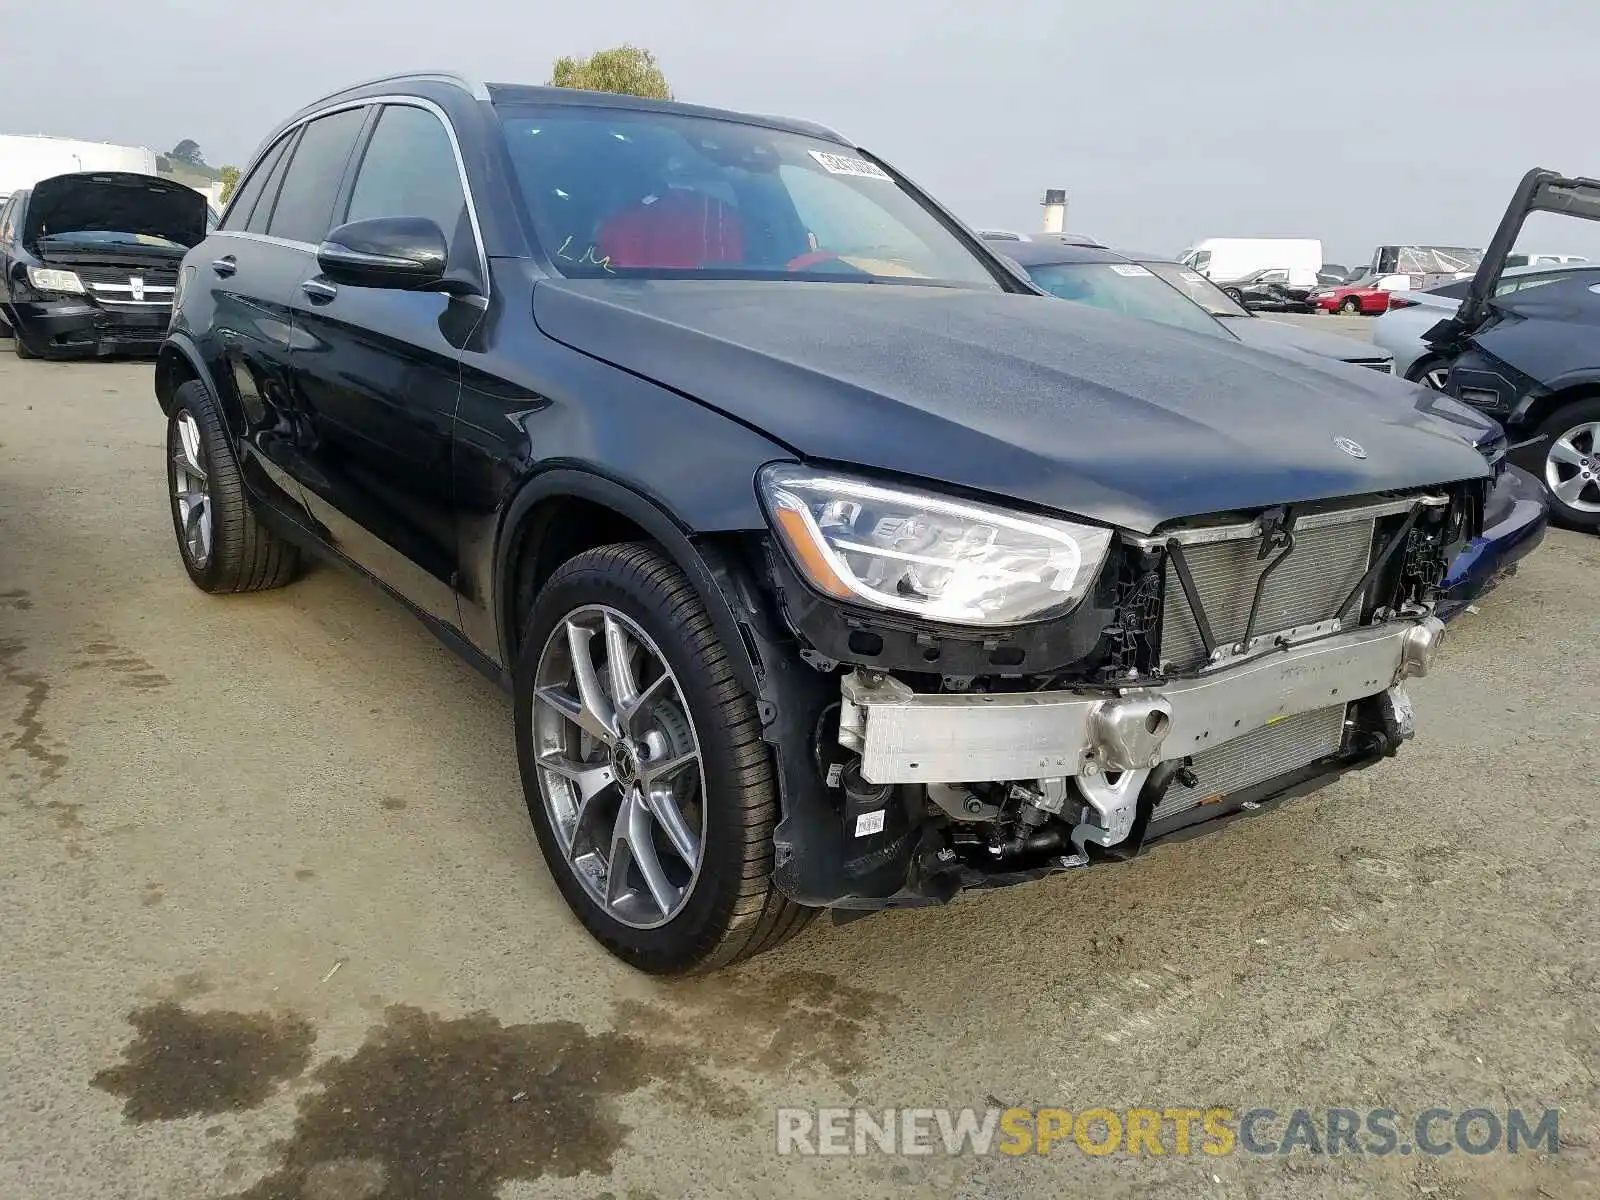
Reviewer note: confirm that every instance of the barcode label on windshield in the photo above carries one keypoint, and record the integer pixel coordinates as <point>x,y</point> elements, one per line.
<point>1132,270</point>
<point>844,164</point>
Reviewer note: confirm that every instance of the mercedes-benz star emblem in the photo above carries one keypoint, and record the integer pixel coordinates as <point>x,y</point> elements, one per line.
<point>1353,449</point>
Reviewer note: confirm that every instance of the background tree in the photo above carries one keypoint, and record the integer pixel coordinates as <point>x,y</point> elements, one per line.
<point>187,151</point>
<point>230,180</point>
<point>630,70</point>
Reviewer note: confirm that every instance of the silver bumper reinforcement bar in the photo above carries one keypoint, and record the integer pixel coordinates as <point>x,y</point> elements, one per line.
<point>907,737</point>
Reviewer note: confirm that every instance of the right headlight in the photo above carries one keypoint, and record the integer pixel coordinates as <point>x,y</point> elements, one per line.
<point>927,555</point>
<point>51,279</point>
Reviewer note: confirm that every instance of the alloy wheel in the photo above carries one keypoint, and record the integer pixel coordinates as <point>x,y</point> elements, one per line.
<point>1572,467</point>
<point>191,494</point>
<point>619,764</point>
<point>1434,378</point>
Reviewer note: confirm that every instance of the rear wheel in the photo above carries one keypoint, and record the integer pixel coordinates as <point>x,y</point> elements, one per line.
<point>223,546</point>
<point>649,785</point>
<point>1572,465</point>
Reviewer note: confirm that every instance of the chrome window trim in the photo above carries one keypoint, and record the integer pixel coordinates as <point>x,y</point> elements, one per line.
<point>267,238</point>
<point>1306,521</point>
<point>370,101</point>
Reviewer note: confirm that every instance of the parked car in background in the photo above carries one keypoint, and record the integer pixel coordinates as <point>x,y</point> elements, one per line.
<point>1160,290</point>
<point>1352,299</point>
<point>1424,266</point>
<point>90,261</point>
<point>1263,332</point>
<point>1531,356</point>
<point>1401,331</point>
<point>1537,258</point>
<point>1270,290</point>
<point>1226,259</point>
<point>828,563</point>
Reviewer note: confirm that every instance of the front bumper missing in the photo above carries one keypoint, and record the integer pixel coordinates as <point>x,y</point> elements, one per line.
<point>906,737</point>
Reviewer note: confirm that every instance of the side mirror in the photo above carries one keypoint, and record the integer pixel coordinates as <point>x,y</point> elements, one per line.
<point>406,253</point>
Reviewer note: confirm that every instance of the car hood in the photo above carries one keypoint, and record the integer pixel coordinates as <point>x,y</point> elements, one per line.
<point>116,202</point>
<point>1280,335</point>
<point>1058,405</point>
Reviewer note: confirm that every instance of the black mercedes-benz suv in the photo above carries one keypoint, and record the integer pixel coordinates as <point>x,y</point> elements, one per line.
<point>88,261</point>
<point>827,563</point>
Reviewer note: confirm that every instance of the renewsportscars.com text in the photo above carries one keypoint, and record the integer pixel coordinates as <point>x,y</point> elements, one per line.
<point>1174,1130</point>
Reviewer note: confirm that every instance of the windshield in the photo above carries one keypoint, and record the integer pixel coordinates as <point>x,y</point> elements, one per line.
<point>1198,288</point>
<point>1125,288</point>
<point>621,192</point>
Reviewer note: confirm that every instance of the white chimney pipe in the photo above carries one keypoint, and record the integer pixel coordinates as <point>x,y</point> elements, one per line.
<point>1055,210</point>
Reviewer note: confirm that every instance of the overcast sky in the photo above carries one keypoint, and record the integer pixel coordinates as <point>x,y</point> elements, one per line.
<point>1356,121</point>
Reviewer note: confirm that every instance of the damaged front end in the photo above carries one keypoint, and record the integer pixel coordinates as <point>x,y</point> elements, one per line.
<point>1202,671</point>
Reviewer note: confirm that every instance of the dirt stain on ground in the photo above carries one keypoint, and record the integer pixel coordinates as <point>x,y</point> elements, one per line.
<point>305,874</point>
<point>436,1106</point>
<point>430,1106</point>
<point>392,803</point>
<point>16,599</point>
<point>30,737</point>
<point>795,1020</point>
<point>127,667</point>
<point>185,1063</point>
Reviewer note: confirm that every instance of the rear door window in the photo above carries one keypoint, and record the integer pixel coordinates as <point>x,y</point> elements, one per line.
<point>243,201</point>
<point>304,210</point>
<point>262,212</point>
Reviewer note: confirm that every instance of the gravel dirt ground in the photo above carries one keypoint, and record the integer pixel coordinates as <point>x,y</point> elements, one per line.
<point>274,926</point>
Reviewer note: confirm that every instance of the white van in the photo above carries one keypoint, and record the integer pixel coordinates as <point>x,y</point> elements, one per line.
<point>1224,259</point>
<point>25,159</point>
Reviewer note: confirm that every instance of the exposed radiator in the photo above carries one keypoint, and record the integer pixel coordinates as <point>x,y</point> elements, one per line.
<point>1257,757</point>
<point>1306,588</point>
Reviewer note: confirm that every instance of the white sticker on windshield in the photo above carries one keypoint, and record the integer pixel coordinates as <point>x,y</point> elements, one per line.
<point>1131,270</point>
<point>844,164</point>
<point>1192,276</point>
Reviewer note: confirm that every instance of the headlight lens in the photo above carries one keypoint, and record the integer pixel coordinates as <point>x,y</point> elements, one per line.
<point>912,552</point>
<point>49,279</point>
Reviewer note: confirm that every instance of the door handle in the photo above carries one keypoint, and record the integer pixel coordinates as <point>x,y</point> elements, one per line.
<point>319,290</point>
<point>225,266</point>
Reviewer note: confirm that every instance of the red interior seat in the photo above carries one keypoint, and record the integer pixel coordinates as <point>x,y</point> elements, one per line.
<point>681,229</point>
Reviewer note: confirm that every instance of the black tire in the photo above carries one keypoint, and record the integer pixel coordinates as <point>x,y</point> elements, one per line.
<point>19,347</point>
<point>1235,295</point>
<point>1350,306</point>
<point>244,556</point>
<point>1568,417</point>
<point>734,911</point>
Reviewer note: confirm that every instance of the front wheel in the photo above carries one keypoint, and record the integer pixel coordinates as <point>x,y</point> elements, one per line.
<point>1430,373</point>
<point>1235,295</point>
<point>1572,465</point>
<point>644,770</point>
<point>1350,306</point>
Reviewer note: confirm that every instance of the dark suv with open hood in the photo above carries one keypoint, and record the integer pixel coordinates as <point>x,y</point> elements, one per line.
<point>90,261</point>
<point>828,565</point>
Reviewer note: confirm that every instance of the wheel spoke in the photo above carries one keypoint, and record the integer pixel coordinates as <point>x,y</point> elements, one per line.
<point>1569,490</point>
<point>659,772</point>
<point>597,715</point>
<point>643,699</point>
<point>1563,451</point>
<point>189,438</point>
<point>631,835</point>
<point>664,807</point>
<point>619,666</point>
<point>1436,377</point>
<point>589,780</point>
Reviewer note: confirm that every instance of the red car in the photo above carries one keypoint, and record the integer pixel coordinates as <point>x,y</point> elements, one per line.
<point>1352,298</point>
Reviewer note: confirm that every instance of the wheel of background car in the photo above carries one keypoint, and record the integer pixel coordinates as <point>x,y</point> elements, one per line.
<point>643,767</point>
<point>1572,464</point>
<point>1350,305</point>
<point>1430,373</point>
<point>1234,294</point>
<point>223,546</point>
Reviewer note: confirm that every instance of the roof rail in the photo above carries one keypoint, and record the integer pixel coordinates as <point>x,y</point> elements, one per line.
<point>478,90</point>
